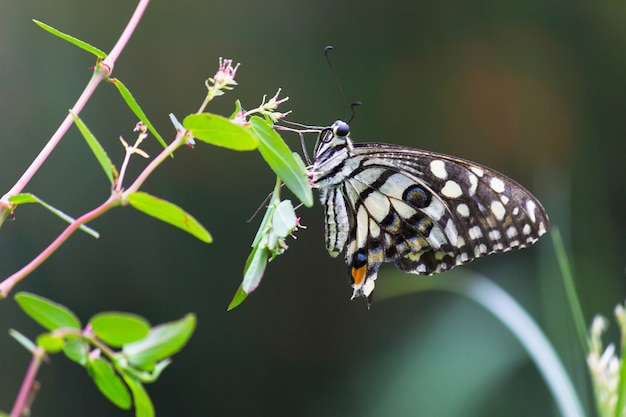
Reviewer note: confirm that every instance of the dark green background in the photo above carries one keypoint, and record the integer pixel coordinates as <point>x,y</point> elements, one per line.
<point>535,89</point>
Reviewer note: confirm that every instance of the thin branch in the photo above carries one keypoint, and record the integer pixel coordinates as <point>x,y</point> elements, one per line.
<point>103,70</point>
<point>9,283</point>
<point>29,387</point>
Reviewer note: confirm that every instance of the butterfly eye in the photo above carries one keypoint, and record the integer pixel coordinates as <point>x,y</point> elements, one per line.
<point>326,135</point>
<point>341,128</point>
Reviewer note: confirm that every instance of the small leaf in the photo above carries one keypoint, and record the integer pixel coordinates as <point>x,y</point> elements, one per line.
<point>134,106</point>
<point>31,198</point>
<point>117,329</point>
<point>239,298</point>
<point>23,340</point>
<point>81,44</point>
<point>162,341</point>
<point>266,223</point>
<point>180,128</point>
<point>238,110</point>
<point>50,343</point>
<point>169,213</point>
<point>143,404</point>
<point>96,148</point>
<point>47,313</point>
<point>76,350</point>
<point>220,131</point>
<point>109,383</point>
<point>142,375</point>
<point>284,220</point>
<point>255,267</point>
<point>282,161</point>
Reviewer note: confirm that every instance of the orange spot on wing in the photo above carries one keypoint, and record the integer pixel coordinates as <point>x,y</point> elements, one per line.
<point>358,275</point>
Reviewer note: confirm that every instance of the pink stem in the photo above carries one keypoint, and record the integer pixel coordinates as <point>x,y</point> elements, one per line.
<point>105,69</point>
<point>9,283</point>
<point>29,379</point>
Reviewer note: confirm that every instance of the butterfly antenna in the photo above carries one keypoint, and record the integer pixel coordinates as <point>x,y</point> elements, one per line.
<point>353,107</point>
<point>260,206</point>
<point>336,77</point>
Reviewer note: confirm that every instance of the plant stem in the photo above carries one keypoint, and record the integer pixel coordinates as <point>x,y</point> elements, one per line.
<point>9,283</point>
<point>103,70</point>
<point>165,153</point>
<point>54,140</point>
<point>29,379</point>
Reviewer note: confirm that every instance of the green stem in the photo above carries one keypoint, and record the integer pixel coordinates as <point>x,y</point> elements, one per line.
<point>570,289</point>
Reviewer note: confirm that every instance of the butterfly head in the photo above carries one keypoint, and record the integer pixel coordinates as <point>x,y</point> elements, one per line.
<point>332,139</point>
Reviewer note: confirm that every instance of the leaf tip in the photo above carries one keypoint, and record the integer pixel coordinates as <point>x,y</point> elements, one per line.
<point>239,297</point>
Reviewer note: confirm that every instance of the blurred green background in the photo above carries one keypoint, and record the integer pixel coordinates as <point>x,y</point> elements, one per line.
<point>535,89</point>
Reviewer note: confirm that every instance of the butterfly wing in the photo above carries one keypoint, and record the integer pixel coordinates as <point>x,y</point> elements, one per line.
<point>424,211</point>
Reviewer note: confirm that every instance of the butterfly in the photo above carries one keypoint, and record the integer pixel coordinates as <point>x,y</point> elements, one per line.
<point>424,211</point>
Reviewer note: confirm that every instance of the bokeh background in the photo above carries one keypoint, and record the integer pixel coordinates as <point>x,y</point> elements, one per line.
<point>535,89</point>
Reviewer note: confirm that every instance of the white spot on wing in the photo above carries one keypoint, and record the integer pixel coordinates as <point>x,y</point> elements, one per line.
<point>530,207</point>
<point>527,229</point>
<point>452,233</point>
<point>451,190</point>
<point>498,210</point>
<point>377,205</point>
<point>463,210</point>
<point>473,184</point>
<point>494,235</point>
<point>477,171</point>
<point>496,185</point>
<point>374,229</point>
<point>438,168</point>
<point>511,232</point>
<point>362,227</point>
<point>541,229</point>
<point>475,233</point>
<point>435,210</point>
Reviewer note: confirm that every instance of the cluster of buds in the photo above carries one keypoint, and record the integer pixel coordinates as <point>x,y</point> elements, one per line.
<point>143,133</point>
<point>224,78</point>
<point>604,365</point>
<point>267,108</point>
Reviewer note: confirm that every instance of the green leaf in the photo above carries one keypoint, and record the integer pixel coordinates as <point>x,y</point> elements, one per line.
<point>134,106</point>
<point>81,44</point>
<point>50,343</point>
<point>169,213</point>
<point>255,267</point>
<point>23,340</point>
<point>162,341</point>
<point>284,220</point>
<point>109,383</point>
<point>141,374</point>
<point>239,297</point>
<point>31,198</point>
<point>76,350</point>
<point>238,110</point>
<point>143,403</point>
<point>266,223</point>
<point>220,131</point>
<point>283,162</point>
<point>47,313</point>
<point>117,329</point>
<point>96,148</point>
